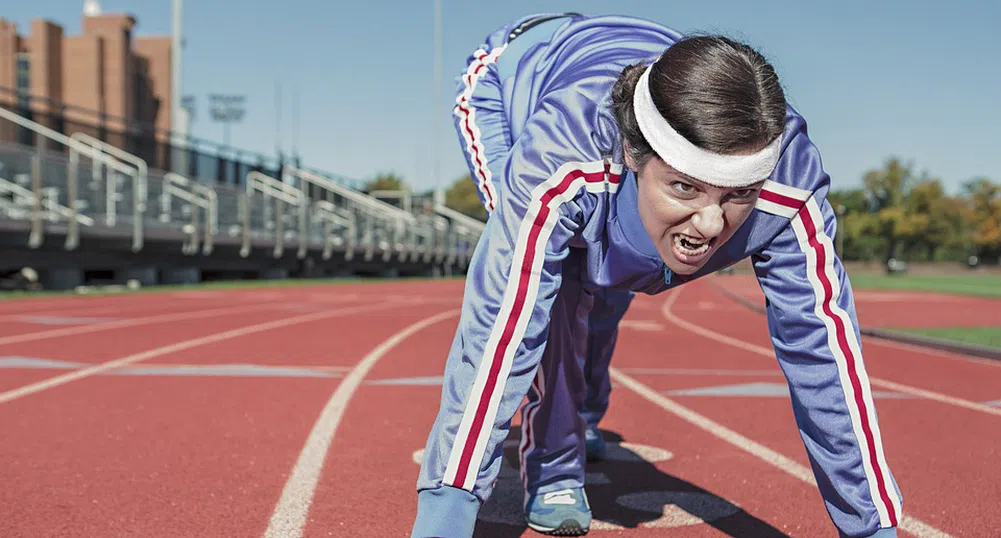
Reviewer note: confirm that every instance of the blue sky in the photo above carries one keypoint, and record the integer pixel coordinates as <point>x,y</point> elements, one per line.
<point>913,79</point>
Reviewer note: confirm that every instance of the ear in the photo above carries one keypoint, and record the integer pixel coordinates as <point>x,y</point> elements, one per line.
<point>627,153</point>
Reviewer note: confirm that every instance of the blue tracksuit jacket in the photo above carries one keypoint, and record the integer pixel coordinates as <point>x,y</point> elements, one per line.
<point>545,152</point>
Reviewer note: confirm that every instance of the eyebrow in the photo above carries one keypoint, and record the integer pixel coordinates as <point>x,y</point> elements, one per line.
<point>701,183</point>
<point>704,184</point>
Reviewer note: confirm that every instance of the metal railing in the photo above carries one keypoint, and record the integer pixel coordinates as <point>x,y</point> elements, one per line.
<point>140,183</point>
<point>281,193</point>
<point>178,186</point>
<point>332,216</point>
<point>57,186</point>
<point>380,225</point>
<point>76,149</point>
<point>466,233</point>
<point>208,193</point>
<point>24,200</point>
<point>404,196</point>
<point>362,200</point>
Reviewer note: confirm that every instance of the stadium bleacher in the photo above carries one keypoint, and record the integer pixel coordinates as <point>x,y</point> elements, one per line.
<point>82,210</point>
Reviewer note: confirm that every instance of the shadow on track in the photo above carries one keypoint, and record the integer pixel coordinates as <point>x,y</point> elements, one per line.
<point>626,491</point>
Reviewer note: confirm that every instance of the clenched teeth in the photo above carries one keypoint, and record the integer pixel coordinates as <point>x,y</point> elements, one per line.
<point>690,245</point>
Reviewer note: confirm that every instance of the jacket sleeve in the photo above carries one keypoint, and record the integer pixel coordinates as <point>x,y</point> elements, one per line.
<point>814,331</point>
<point>512,282</point>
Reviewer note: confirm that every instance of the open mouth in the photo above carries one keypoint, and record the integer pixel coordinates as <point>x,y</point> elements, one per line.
<point>691,247</point>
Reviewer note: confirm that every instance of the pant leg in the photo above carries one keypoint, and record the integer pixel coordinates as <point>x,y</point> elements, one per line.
<point>609,308</point>
<point>552,445</point>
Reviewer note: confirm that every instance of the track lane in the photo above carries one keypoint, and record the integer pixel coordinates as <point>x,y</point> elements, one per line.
<point>140,321</point>
<point>971,381</point>
<point>165,456</point>
<point>916,432</point>
<point>337,344</point>
<point>153,457</point>
<point>697,464</point>
<point>182,345</point>
<point>92,348</point>
<point>21,305</point>
<point>370,457</point>
<point>882,308</point>
<point>374,460</point>
<point>91,312</point>
<point>904,311</point>
<point>293,511</point>
<point>371,460</point>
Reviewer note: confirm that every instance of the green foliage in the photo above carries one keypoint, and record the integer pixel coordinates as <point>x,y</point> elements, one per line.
<point>901,214</point>
<point>983,213</point>
<point>462,197</point>
<point>386,181</point>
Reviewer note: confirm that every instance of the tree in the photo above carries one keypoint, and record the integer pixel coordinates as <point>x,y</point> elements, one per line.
<point>899,213</point>
<point>462,196</point>
<point>983,215</point>
<point>385,182</point>
<point>887,189</point>
<point>934,221</point>
<point>852,207</point>
<point>888,186</point>
<point>852,200</point>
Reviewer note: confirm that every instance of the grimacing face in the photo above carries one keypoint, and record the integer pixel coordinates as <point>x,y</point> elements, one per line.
<point>687,219</point>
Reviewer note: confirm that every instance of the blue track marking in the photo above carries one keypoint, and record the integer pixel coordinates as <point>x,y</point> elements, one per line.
<point>62,320</point>
<point>212,370</point>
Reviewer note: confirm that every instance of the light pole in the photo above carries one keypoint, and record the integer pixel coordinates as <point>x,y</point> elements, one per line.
<point>841,231</point>
<point>180,124</point>
<point>439,195</point>
<point>186,118</point>
<point>227,109</point>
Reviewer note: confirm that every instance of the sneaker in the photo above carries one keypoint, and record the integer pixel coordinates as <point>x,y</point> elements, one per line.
<point>594,444</point>
<point>560,513</point>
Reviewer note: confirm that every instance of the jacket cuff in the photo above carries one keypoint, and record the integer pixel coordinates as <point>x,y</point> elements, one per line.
<point>446,512</point>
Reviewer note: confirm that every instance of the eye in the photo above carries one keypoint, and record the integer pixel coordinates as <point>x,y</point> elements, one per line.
<point>743,195</point>
<point>682,188</point>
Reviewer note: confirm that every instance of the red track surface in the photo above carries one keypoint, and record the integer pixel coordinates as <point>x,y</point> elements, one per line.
<point>902,309</point>
<point>160,454</point>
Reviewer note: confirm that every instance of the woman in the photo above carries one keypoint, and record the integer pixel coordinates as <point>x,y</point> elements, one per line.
<point>617,156</point>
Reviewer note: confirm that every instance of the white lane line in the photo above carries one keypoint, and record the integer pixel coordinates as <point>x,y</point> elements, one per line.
<point>641,325</point>
<point>25,317</point>
<point>180,346</point>
<point>907,524</point>
<point>82,310</point>
<point>770,353</point>
<point>289,517</point>
<point>119,324</point>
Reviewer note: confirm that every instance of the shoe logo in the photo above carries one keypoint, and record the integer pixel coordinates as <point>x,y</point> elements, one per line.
<point>560,497</point>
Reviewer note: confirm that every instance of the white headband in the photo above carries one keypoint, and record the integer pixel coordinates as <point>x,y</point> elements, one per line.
<point>682,155</point>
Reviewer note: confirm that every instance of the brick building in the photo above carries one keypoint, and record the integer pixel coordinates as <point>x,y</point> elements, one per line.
<point>105,81</point>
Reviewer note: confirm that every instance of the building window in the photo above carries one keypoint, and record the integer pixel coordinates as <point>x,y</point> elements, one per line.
<point>139,92</point>
<point>24,72</point>
<point>24,94</point>
<point>23,80</point>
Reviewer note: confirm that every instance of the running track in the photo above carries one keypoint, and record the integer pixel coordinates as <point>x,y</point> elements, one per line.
<point>301,411</point>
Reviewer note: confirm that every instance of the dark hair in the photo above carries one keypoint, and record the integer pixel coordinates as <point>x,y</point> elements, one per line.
<point>721,95</point>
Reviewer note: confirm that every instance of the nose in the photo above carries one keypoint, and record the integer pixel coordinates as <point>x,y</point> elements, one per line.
<point>709,221</point>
